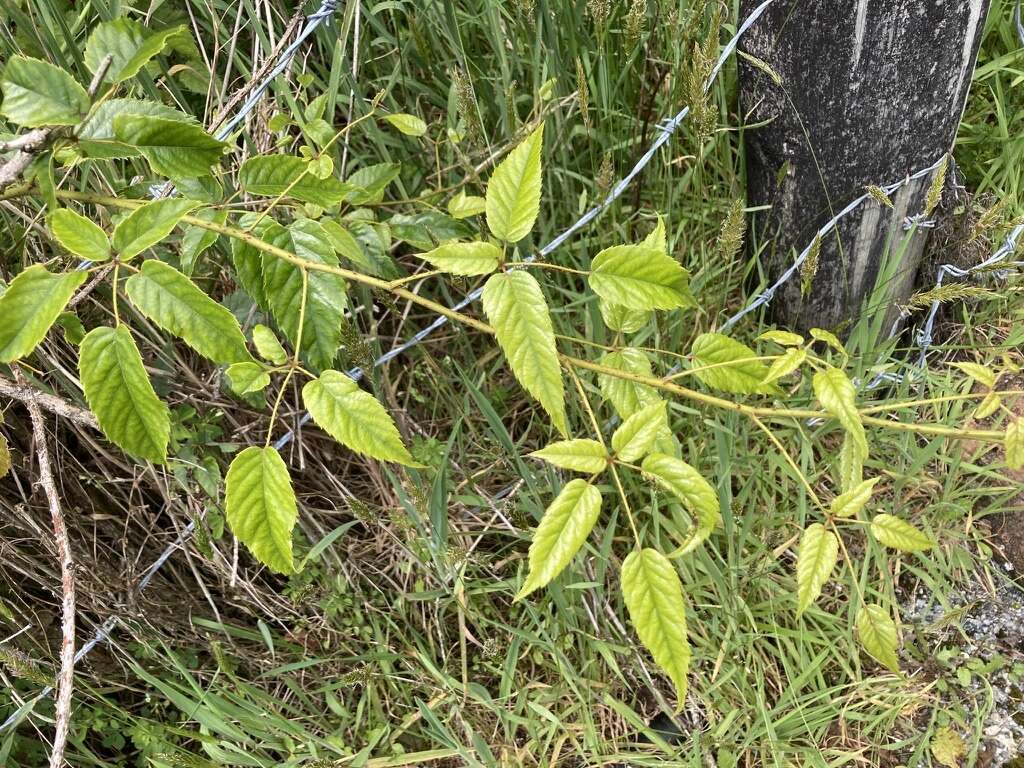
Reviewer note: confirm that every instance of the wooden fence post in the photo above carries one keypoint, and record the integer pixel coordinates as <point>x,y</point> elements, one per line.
<point>870,91</point>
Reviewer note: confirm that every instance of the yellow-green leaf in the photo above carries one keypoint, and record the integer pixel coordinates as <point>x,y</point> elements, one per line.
<point>980,373</point>
<point>877,633</point>
<point>564,527</point>
<point>513,192</point>
<point>260,506</point>
<point>829,338</point>
<point>462,206</point>
<point>247,377</point>
<point>268,346</point>
<point>899,534</point>
<point>636,436</point>
<point>1013,443</point>
<point>819,550</point>
<point>5,457</point>
<point>477,258</point>
<point>79,235</point>
<point>148,224</point>
<point>515,306</point>
<point>627,397</point>
<point>176,304</point>
<point>354,418</point>
<point>640,277</point>
<point>948,747</point>
<point>851,502</point>
<point>174,149</point>
<point>654,598</point>
<point>37,93</point>
<point>688,485</point>
<point>850,465</point>
<point>837,395</point>
<point>727,365</point>
<point>30,305</point>
<point>624,319</point>
<point>119,392</point>
<point>785,364</point>
<point>782,338</point>
<point>408,124</point>
<point>988,406</point>
<point>587,456</point>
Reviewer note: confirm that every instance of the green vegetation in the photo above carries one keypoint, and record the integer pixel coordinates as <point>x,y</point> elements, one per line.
<point>422,580</point>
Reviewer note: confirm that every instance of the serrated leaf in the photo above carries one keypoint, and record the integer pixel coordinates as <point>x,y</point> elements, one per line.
<point>196,240</point>
<point>657,237</point>
<point>367,185</point>
<point>513,192</point>
<point>654,598</point>
<point>819,334</point>
<point>850,464</point>
<point>782,338</point>
<point>30,305</point>
<point>785,364</point>
<point>289,176</point>
<point>819,550</point>
<point>408,124</point>
<point>636,436</point>
<point>980,373</point>
<point>587,456</point>
<point>79,235</point>
<point>178,306</point>
<point>346,245</point>
<point>260,506</point>
<point>325,299</point>
<point>464,258</point>
<point>838,396</point>
<point>148,224</point>
<point>515,306</point>
<point>988,406</point>
<point>640,277</point>
<point>248,259</point>
<point>948,747</point>
<point>899,534</point>
<point>851,502</point>
<point>688,485</point>
<point>564,527</point>
<point>174,149</point>
<point>37,93</point>
<point>96,135</point>
<point>119,392</point>
<point>877,633</point>
<point>268,346</point>
<point>354,418</point>
<point>623,319</point>
<point>462,206</point>
<point>1013,443</point>
<point>727,365</point>
<point>131,45</point>
<point>247,377</point>
<point>427,229</point>
<point>626,396</point>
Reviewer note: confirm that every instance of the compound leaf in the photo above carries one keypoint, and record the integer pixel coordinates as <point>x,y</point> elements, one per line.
<point>851,502</point>
<point>727,365</point>
<point>636,436</point>
<point>837,395</point>
<point>260,506</point>
<point>690,487</point>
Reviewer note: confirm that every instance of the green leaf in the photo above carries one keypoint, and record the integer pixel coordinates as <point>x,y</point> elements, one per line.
<point>851,502</point>
<point>627,397</point>
<point>636,436</point>
<point>462,206</point>
<point>899,534</point>
<point>427,229</point>
<point>640,277</point>
<point>325,299</point>
<point>980,373</point>
<point>268,346</point>
<point>79,235</point>
<point>260,506</point>
<point>1013,443</point>
<point>819,550</point>
<point>131,45</point>
<point>30,305</point>
<point>687,484</point>
<point>850,464</point>
<point>513,192</point>
<point>196,240</point>
<point>657,238</point>
<point>464,258</point>
<point>96,136</point>
<point>725,364</point>
<point>838,396</point>
<point>829,338</point>
<point>948,747</point>
<point>785,364</point>
<point>354,418</point>
<point>654,597</point>
<point>248,259</point>
<point>37,93</point>
<point>877,633</point>
<point>118,391</point>
<point>988,406</point>
<point>564,527</point>
<point>624,319</point>
<point>587,456</point>
<point>346,245</point>
<point>247,377</point>
<point>515,306</point>
<point>408,124</point>
<point>74,331</point>
<point>148,224</point>
<point>367,185</point>
<point>782,338</point>
<point>176,305</point>
<point>174,149</point>
<point>289,176</point>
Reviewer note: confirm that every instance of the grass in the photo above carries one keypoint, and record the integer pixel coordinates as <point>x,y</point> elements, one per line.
<point>398,644</point>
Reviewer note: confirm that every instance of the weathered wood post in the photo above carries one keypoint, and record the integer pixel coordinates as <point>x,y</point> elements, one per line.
<point>871,90</point>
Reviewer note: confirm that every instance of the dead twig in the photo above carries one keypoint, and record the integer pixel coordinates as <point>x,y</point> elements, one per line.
<point>32,397</point>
